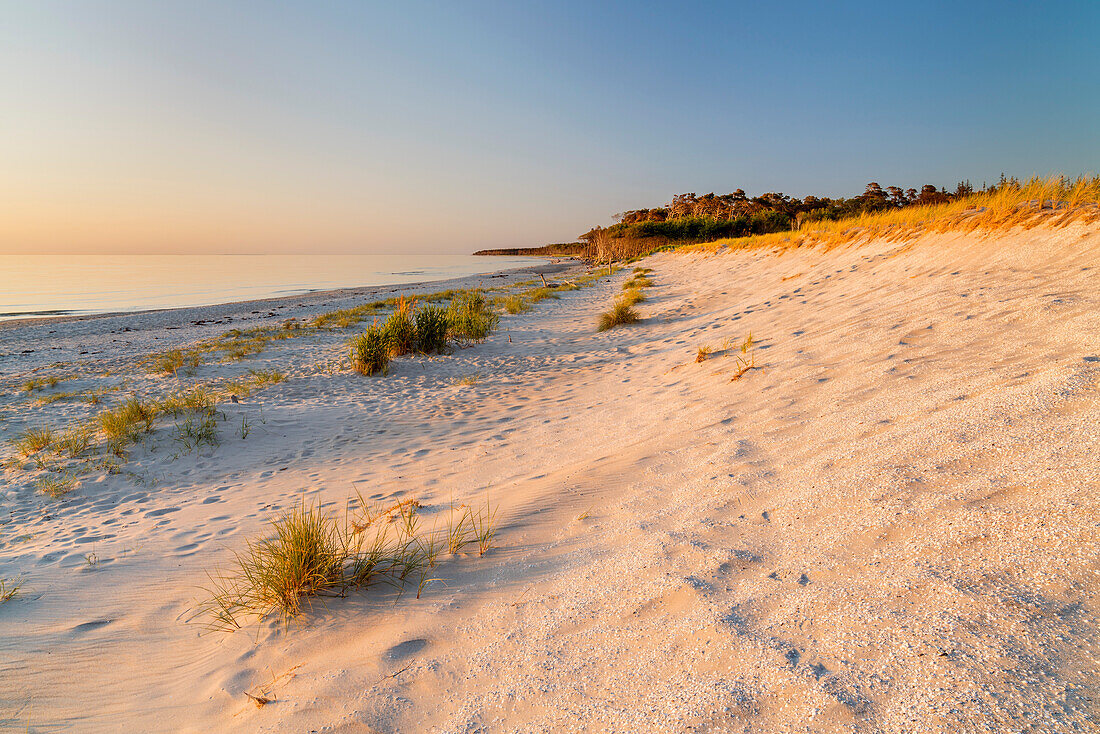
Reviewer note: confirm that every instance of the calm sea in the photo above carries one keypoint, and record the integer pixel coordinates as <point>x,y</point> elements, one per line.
<point>49,285</point>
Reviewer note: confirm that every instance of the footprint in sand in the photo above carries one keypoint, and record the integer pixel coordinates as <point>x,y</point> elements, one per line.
<point>406,648</point>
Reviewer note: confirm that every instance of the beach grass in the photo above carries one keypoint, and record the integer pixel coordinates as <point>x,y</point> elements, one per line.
<point>618,315</point>
<point>399,330</point>
<point>9,589</point>
<point>37,384</point>
<point>431,329</point>
<point>36,439</point>
<point>516,304</point>
<point>196,431</point>
<point>57,486</point>
<point>75,441</point>
<point>254,380</point>
<point>370,352</point>
<point>632,296</point>
<point>470,319</point>
<point>310,553</point>
<point>125,423</point>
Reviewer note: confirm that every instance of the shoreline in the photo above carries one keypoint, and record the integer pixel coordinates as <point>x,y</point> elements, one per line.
<point>60,315</point>
<point>80,335</point>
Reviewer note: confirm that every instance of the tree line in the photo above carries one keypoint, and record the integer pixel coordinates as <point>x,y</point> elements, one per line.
<point>694,218</point>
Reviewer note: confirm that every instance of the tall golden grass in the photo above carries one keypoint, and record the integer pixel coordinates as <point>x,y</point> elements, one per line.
<point>1053,200</point>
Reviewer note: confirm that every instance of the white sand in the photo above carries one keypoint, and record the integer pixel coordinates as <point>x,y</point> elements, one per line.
<point>892,526</point>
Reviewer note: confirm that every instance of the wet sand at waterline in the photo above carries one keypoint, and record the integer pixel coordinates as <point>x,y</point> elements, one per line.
<point>889,525</point>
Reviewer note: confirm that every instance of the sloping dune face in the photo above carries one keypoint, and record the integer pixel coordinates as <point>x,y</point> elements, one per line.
<point>889,523</point>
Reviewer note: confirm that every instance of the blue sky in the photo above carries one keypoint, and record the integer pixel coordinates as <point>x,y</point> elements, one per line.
<point>442,127</point>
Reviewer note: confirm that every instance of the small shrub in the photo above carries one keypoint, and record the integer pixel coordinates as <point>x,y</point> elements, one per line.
<point>469,317</point>
<point>619,314</point>
<point>431,330</point>
<point>400,329</point>
<point>370,352</point>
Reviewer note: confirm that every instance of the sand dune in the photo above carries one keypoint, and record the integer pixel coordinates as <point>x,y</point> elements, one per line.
<point>891,525</point>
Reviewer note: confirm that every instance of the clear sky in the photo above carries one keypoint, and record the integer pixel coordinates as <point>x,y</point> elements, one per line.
<point>443,127</point>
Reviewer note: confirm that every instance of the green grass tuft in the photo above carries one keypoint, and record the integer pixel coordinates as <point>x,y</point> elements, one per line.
<point>370,352</point>
<point>619,314</point>
<point>470,318</point>
<point>56,487</point>
<point>431,330</point>
<point>9,589</point>
<point>311,553</point>
<point>632,296</point>
<point>34,440</point>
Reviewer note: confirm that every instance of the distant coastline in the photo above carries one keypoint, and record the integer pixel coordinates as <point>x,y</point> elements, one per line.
<point>563,249</point>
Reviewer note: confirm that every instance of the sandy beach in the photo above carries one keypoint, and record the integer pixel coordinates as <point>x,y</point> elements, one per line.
<point>890,524</point>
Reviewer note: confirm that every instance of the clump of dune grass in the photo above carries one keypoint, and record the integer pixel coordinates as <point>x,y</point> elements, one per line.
<point>199,399</point>
<point>9,589</point>
<point>57,397</point>
<point>470,318</point>
<point>632,297</point>
<point>344,317</point>
<point>254,380</point>
<point>310,553</point>
<point>746,360</point>
<point>543,292</point>
<point>638,281</point>
<point>642,271</point>
<point>515,304</point>
<point>56,487</point>
<point>75,441</point>
<point>619,314</point>
<point>431,330</point>
<point>400,328</point>
<point>174,360</point>
<point>196,431</point>
<point>370,352</point>
<point>36,384</point>
<point>36,439</point>
<point>301,559</point>
<point>704,352</point>
<point>125,423</point>
<point>468,380</point>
